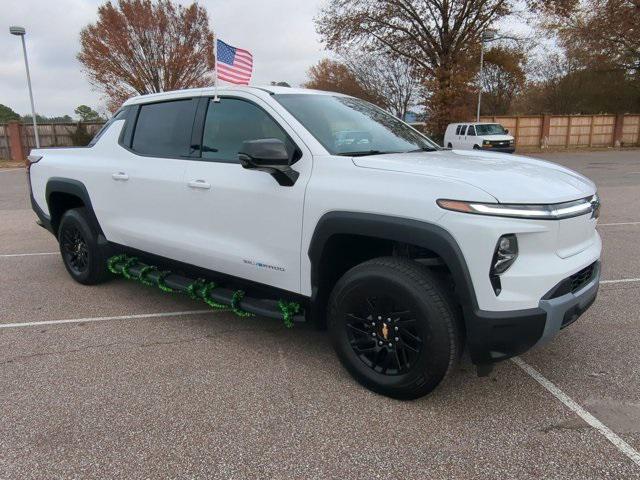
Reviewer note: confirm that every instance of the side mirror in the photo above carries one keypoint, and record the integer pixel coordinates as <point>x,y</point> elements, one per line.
<point>268,155</point>
<point>506,130</point>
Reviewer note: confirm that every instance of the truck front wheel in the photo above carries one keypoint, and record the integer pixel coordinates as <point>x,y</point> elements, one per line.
<point>394,327</point>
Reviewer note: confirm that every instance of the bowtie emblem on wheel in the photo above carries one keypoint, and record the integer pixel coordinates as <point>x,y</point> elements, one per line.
<point>385,331</point>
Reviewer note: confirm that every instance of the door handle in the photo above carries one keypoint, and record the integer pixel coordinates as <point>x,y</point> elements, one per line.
<point>199,184</point>
<point>120,176</point>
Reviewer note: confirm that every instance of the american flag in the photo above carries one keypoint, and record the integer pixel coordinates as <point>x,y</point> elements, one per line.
<point>234,64</point>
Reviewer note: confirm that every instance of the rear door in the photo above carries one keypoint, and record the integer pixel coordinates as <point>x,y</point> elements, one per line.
<point>146,178</point>
<point>237,221</point>
<point>462,138</point>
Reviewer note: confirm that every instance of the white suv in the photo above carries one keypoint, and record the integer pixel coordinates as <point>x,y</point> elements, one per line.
<point>479,136</point>
<point>408,252</point>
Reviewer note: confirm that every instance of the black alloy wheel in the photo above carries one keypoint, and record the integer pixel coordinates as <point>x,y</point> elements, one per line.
<point>384,335</point>
<point>75,249</point>
<point>395,327</point>
<point>84,258</point>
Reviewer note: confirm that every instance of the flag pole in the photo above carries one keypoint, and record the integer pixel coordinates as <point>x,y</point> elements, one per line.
<point>215,69</point>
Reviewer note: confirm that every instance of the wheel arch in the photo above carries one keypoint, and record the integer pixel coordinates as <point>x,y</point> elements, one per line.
<point>391,229</point>
<point>63,194</point>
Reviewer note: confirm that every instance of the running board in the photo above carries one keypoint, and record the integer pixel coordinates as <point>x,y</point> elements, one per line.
<point>257,306</point>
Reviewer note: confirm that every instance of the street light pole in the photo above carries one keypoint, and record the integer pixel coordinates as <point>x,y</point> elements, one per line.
<point>486,36</point>
<point>481,78</point>
<point>20,32</point>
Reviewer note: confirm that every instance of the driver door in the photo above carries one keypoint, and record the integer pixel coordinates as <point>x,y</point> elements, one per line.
<point>237,221</point>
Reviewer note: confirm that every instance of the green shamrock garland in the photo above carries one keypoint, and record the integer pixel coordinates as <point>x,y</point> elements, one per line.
<point>199,289</point>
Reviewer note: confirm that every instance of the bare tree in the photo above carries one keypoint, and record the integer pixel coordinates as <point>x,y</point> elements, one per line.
<point>434,35</point>
<point>145,46</point>
<point>393,81</point>
<point>334,76</point>
<point>602,34</point>
<point>503,78</point>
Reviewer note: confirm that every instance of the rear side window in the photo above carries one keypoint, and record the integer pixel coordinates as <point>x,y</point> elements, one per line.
<point>120,115</point>
<point>463,130</point>
<point>472,131</point>
<point>230,122</point>
<point>164,129</point>
<point>458,129</point>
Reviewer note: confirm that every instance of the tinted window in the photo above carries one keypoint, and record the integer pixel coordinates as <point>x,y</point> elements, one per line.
<point>472,131</point>
<point>230,122</point>
<point>120,115</point>
<point>458,129</point>
<point>164,129</point>
<point>463,130</point>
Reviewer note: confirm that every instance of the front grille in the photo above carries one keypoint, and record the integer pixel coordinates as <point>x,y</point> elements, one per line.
<point>580,279</point>
<point>573,283</point>
<point>500,143</point>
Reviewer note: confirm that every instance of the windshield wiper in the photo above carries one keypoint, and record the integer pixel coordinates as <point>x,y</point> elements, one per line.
<point>363,153</point>
<point>424,149</point>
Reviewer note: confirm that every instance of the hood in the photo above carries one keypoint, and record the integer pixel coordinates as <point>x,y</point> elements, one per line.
<point>508,178</point>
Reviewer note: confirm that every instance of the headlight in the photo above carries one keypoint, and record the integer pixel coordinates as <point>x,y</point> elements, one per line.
<point>553,211</point>
<point>486,143</point>
<point>595,206</point>
<point>505,254</point>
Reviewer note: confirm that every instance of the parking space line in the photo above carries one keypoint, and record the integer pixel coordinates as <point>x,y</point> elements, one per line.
<point>7,255</point>
<point>621,280</point>
<point>619,223</point>
<point>5,170</point>
<point>618,442</point>
<point>103,319</point>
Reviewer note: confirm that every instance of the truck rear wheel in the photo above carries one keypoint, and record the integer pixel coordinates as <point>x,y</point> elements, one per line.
<point>83,258</point>
<point>394,327</point>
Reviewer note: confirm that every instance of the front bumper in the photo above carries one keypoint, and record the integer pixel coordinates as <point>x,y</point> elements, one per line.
<point>499,149</point>
<point>496,336</point>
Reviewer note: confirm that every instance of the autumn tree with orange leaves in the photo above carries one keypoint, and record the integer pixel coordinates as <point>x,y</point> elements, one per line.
<point>143,46</point>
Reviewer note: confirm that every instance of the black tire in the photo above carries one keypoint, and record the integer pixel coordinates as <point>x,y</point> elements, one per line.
<point>414,304</point>
<point>83,258</point>
<point>476,147</point>
<point>449,145</point>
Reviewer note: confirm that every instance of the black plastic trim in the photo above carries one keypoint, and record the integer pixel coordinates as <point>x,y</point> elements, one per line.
<point>71,187</point>
<point>496,336</point>
<point>44,220</point>
<point>414,232</point>
<point>267,291</point>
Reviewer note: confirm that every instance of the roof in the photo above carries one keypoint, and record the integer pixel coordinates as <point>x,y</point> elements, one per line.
<point>226,89</point>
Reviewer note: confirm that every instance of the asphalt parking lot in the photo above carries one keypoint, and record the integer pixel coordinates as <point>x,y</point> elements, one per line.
<point>123,381</point>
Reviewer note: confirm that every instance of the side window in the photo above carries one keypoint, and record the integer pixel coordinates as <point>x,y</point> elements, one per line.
<point>164,129</point>
<point>230,122</point>
<point>120,115</point>
<point>472,131</point>
<point>458,129</point>
<point>463,130</point>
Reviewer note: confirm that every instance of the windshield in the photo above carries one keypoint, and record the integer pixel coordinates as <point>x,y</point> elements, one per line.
<point>490,129</point>
<point>350,126</point>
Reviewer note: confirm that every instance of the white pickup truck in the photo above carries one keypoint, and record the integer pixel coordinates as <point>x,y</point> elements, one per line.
<point>406,251</point>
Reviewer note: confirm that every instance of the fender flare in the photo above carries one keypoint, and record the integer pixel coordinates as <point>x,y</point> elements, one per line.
<point>71,187</point>
<point>415,232</point>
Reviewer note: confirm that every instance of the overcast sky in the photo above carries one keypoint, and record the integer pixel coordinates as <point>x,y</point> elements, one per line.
<point>280,34</point>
